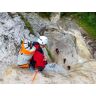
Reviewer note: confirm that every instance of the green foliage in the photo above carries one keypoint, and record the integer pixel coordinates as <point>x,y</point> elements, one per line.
<point>45,14</point>
<point>50,54</point>
<point>62,14</point>
<point>66,14</point>
<point>86,20</point>
<point>27,23</point>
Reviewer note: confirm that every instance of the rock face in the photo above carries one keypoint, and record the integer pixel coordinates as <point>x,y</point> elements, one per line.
<point>68,47</point>
<point>11,33</point>
<point>73,60</point>
<point>79,74</point>
<point>63,47</point>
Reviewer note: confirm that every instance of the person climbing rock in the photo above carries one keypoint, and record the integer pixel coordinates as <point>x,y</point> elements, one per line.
<point>32,55</point>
